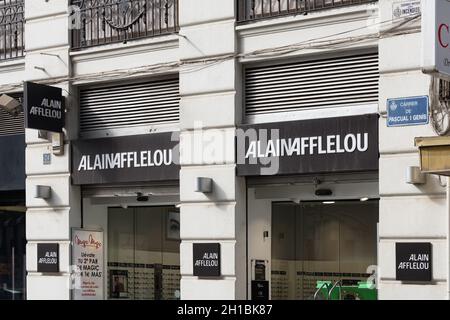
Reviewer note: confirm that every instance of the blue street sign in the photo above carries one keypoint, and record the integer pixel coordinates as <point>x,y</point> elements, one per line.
<point>411,111</point>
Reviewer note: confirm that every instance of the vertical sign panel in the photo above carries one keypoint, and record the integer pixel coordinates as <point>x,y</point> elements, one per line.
<point>206,259</point>
<point>43,107</point>
<point>87,259</point>
<point>436,37</point>
<point>414,261</point>
<point>48,257</point>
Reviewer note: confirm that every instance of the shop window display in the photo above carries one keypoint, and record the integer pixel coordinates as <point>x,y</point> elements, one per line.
<point>313,242</point>
<point>143,253</point>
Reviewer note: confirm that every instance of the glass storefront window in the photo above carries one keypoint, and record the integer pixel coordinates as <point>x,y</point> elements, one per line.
<point>144,253</point>
<point>314,242</point>
<point>12,255</point>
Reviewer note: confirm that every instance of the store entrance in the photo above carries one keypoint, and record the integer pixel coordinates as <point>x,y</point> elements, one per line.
<point>320,245</point>
<point>12,253</point>
<point>144,253</point>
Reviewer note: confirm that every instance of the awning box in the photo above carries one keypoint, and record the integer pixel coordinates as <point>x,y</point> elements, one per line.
<point>434,155</point>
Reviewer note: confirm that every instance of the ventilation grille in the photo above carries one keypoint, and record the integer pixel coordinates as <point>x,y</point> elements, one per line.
<point>10,125</point>
<point>129,105</point>
<point>334,82</point>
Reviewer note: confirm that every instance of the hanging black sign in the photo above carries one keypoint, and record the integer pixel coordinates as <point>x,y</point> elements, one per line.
<point>151,157</point>
<point>206,259</point>
<point>48,257</point>
<point>344,144</point>
<point>414,261</point>
<point>260,290</point>
<point>43,107</point>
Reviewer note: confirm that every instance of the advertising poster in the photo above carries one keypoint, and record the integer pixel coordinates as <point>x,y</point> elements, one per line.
<point>87,260</point>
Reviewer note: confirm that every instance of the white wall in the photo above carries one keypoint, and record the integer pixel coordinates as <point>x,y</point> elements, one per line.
<point>408,213</point>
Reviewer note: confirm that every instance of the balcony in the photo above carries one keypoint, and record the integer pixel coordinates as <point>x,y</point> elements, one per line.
<point>11,29</point>
<point>252,10</point>
<point>100,22</point>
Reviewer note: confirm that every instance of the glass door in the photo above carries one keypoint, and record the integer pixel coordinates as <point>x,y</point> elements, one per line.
<point>143,253</point>
<point>12,255</point>
<point>315,242</point>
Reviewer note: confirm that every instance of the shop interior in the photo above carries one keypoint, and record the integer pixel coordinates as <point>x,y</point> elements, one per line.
<point>314,238</point>
<point>12,246</point>
<point>142,233</point>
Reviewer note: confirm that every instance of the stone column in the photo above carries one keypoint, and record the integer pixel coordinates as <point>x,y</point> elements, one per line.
<point>209,114</point>
<point>49,221</point>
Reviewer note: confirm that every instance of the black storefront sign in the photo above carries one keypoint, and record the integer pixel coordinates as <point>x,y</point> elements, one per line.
<point>260,290</point>
<point>48,257</point>
<point>151,157</point>
<point>414,261</point>
<point>345,144</point>
<point>43,107</point>
<point>206,259</point>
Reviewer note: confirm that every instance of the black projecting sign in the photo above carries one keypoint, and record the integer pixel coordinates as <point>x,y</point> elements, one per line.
<point>206,259</point>
<point>342,144</point>
<point>414,261</point>
<point>43,107</point>
<point>151,157</point>
<point>48,257</point>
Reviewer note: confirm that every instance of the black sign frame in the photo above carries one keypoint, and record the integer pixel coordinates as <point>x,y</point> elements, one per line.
<point>42,250</point>
<point>335,129</point>
<point>44,107</point>
<point>404,252</point>
<point>199,252</point>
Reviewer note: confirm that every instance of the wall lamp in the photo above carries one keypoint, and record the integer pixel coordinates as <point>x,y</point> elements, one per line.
<point>43,192</point>
<point>203,185</point>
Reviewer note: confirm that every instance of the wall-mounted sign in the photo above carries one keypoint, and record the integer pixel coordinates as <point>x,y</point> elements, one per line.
<point>260,290</point>
<point>151,157</point>
<point>342,144</point>
<point>206,259</point>
<point>436,37</point>
<point>43,107</point>
<point>88,260</point>
<point>48,257</point>
<point>405,9</point>
<point>407,111</point>
<point>414,261</point>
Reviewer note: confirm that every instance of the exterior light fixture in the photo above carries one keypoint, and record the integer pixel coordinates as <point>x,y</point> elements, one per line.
<point>203,185</point>
<point>329,202</point>
<point>415,176</point>
<point>42,192</point>
<point>364,199</point>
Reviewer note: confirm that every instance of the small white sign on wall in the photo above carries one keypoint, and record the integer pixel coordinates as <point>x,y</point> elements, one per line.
<point>404,9</point>
<point>436,38</point>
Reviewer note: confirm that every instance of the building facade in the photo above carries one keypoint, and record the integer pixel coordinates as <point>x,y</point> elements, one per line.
<point>257,127</point>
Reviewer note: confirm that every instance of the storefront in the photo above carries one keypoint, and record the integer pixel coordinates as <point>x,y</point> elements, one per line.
<point>12,207</point>
<point>312,207</point>
<point>129,190</point>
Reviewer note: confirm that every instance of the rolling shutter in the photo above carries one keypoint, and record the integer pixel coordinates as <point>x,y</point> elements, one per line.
<point>331,82</point>
<point>10,125</point>
<point>128,105</point>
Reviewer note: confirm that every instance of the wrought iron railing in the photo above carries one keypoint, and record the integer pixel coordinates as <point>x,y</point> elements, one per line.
<point>249,10</point>
<point>99,22</point>
<point>11,29</point>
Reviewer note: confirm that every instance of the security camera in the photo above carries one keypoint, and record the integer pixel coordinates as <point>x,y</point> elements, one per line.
<point>141,197</point>
<point>10,105</point>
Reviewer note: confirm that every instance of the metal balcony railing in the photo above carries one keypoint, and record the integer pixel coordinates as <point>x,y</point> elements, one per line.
<point>99,22</point>
<point>250,10</point>
<point>11,29</point>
